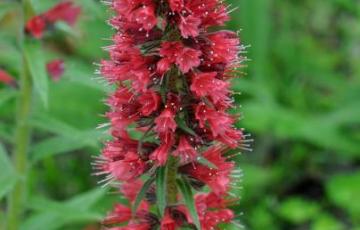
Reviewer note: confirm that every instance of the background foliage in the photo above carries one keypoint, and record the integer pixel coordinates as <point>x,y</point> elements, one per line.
<point>300,100</point>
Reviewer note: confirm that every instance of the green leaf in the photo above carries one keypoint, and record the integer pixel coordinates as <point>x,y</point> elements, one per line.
<point>142,193</point>
<point>7,175</point>
<point>68,137</point>
<point>182,125</point>
<point>326,222</point>
<point>343,190</point>
<point>35,61</point>
<point>59,144</point>
<point>88,199</point>
<point>206,162</point>
<point>298,210</point>
<point>6,95</point>
<point>67,29</point>
<point>51,215</point>
<point>161,189</point>
<point>188,196</point>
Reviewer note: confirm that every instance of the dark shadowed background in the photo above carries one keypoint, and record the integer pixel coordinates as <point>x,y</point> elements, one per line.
<point>300,99</point>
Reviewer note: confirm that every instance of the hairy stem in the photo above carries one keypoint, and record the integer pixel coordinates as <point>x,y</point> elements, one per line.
<point>22,135</point>
<point>171,187</point>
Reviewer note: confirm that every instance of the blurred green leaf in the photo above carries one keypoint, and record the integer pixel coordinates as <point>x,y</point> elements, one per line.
<point>36,63</point>
<point>326,222</point>
<point>10,62</point>
<point>6,7</point>
<point>56,145</point>
<point>298,210</point>
<point>343,190</point>
<point>262,218</point>
<point>5,95</point>
<point>66,29</point>
<point>88,199</point>
<point>7,176</point>
<point>68,138</point>
<point>51,215</point>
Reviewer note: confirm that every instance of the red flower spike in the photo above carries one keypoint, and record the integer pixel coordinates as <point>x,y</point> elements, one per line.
<point>55,69</point>
<point>64,11</point>
<point>36,26</point>
<point>171,72</point>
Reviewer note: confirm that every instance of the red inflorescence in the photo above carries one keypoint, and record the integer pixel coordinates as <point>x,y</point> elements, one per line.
<point>64,11</point>
<point>7,79</point>
<point>55,69</point>
<point>172,78</point>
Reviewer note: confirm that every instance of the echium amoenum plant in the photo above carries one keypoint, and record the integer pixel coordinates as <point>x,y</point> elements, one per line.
<point>171,132</point>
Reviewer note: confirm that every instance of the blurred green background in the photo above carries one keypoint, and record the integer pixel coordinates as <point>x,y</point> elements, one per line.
<point>300,99</point>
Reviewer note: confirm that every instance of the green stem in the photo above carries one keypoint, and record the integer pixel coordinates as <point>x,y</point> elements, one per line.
<point>22,136</point>
<point>21,142</point>
<point>171,187</point>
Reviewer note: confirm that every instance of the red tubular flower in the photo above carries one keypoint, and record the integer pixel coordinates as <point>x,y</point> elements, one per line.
<point>207,85</point>
<point>165,123</point>
<point>7,79</point>
<point>36,26</point>
<point>189,26</point>
<point>150,102</point>
<point>64,11</point>
<point>131,189</point>
<point>55,69</point>
<point>171,73</point>
<point>187,59</point>
<point>160,155</point>
<point>218,178</point>
<point>126,169</point>
<point>168,223</point>
<point>211,211</point>
<point>185,151</point>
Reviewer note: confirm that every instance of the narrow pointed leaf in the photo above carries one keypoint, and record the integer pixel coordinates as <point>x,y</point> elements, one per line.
<point>188,196</point>
<point>182,125</point>
<point>36,63</point>
<point>142,194</point>
<point>7,175</point>
<point>161,189</point>
<point>204,161</point>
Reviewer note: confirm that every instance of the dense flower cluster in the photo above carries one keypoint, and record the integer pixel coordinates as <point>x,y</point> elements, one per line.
<point>64,11</point>
<point>172,75</point>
